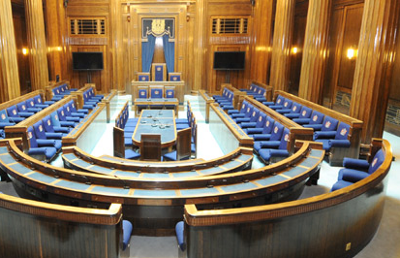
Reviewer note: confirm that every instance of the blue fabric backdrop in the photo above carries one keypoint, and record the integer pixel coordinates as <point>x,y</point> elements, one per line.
<point>169,53</point>
<point>147,53</point>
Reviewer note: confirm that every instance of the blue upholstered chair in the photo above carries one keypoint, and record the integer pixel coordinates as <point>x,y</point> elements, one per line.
<point>38,151</point>
<point>328,125</point>
<point>274,139</point>
<point>271,150</point>
<point>13,112</point>
<point>69,116</point>
<point>286,107</point>
<point>175,77</point>
<point>50,128</point>
<point>253,119</point>
<point>22,107</point>
<point>338,138</point>
<point>180,235</point>
<point>143,93</point>
<point>127,233</point>
<point>156,93</point>
<point>265,134</point>
<point>315,118</point>
<point>247,115</point>
<point>5,120</point>
<point>63,118</point>
<point>30,104</point>
<point>169,93</point>
<point>55,120</point>
<point>239,113</point>
<point>43,138</point>
<point>258,128</point>
<point>356,170</point>
<point>278,104</point>
<point>294,108</point>
<point>304,113</point>
<point>143,77</point>
<point>40,103</point>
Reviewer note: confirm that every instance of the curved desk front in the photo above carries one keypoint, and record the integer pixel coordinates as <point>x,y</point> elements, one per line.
<point>156,122</point>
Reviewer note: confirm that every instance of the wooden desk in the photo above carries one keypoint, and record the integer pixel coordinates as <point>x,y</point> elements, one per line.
<point>179,87</point>
<point>149,103</point>
<point>158,122</point>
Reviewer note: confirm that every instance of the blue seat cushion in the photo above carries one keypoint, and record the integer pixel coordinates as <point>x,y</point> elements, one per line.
<point>180,235</point>
<point>130,154</point>
<point>48,152</point>
<point>266,154</point>
<point>127,232</point>
<point>340,184</point>
<point>171,156</point>
<point>358,164</point>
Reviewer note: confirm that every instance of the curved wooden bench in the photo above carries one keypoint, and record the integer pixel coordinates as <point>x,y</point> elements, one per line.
<point>156,203</point>
<point>75,158</point>
<point>36,229</point>
<point>336,224</point>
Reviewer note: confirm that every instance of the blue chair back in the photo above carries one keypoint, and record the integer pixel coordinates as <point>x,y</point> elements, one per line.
<point>330,124</point>
<point>255,115</point>
<point>12,111</point>
<point>47,124</point>
<point>376,161</point>
<point>277,132</point>
<point>32,137</point>
<point>342,131</point>
<point>156,93</point>
<point>142,93</point>
<point>316,117</point>
<point>284,139</point>
<point>262,118</point>
<point>170,93</point>
<point>287,103</point>
<point>269,125</point>
<point>296,107</point>
<point>4,117</point>
<point>280,100</point>
<point>305,112</point>
<point>21,106</point>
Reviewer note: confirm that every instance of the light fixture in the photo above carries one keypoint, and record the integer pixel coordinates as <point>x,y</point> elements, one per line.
<point>351,53</point>
<point>295,50</point>
<point>24,51</point>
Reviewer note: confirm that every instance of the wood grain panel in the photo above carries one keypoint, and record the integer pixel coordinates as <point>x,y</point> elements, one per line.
<point>299,31</point>
<point>315,51</point>
<point>261,40</point>
<point>55,31</point>
<point>373,66</point>
<point>37,44</point>
<point>283,31</point>
<point>395,81</point>
<point>21,43</point>
<point>351,35</point>
<point>9,79</point>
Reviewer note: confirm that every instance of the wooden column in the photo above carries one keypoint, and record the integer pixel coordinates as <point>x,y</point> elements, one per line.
<point>261,47</point>
<point>315,50</point>
<point>200,46</point>
<point>56,32</point>
<point>283,32</point>
<point>9,78</point>
<point>117,47</point>
<point>37,44</point>
<point>373,66</point>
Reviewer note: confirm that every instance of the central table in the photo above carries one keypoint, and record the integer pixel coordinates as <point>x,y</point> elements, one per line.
<point>156,122</point>
<point>156,102</point>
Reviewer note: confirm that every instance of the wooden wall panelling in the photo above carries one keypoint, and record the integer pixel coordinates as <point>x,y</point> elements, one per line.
<point>21,43</point>
<point>55,34</point>
<point>116,19</point>
<point>9,78</point>
<point>374,63</point>
<point>230,42</point>
<point>334,53</point>
<point>178,11</point>
<point>91,43</point>
<point>263,20</point>
<point>37,44</point>
<point>283,34</point>
<point>395,81</point>
<point>299,31</point>
<point>315,51</point>
<point>351,35</point>
<point>199,30</point>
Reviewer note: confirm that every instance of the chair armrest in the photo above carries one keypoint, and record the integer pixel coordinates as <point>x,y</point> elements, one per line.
<point>324,135</point>
<point>254,130</point>
<point>44,143</point>
<point>292,115</point>
<point>316,127</point>
<point>270,144</point>
<point>4,124</point>
<point>339,143</point>
<point>302,121</point>
<point>279,153</point>
<point>358,164</point>
<point>261,137</point>
<point>54,135</point>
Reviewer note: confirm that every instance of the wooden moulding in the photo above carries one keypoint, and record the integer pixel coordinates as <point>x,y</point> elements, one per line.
<point>73,136</point>
<point>208,101</point>
<point>335,224</point>
<point>171,166</point>
<point>49,88</point>
<point>111,216</point>
<point>243,139</point>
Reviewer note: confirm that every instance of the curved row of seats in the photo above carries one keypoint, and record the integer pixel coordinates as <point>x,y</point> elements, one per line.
<point>278,180</point>
<point>240,159</point>
<point>60,91</point>
<point>342,222</point>
<point>259,93</point>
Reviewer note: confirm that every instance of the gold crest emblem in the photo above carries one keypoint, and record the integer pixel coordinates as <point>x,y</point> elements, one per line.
<point>158,26</point>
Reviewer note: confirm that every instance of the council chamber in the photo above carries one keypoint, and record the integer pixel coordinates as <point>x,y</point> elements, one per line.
<point>199,128</point>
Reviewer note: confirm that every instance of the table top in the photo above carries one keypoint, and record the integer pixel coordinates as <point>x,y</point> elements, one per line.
<point>156,100</point>
<point>156,121</point>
